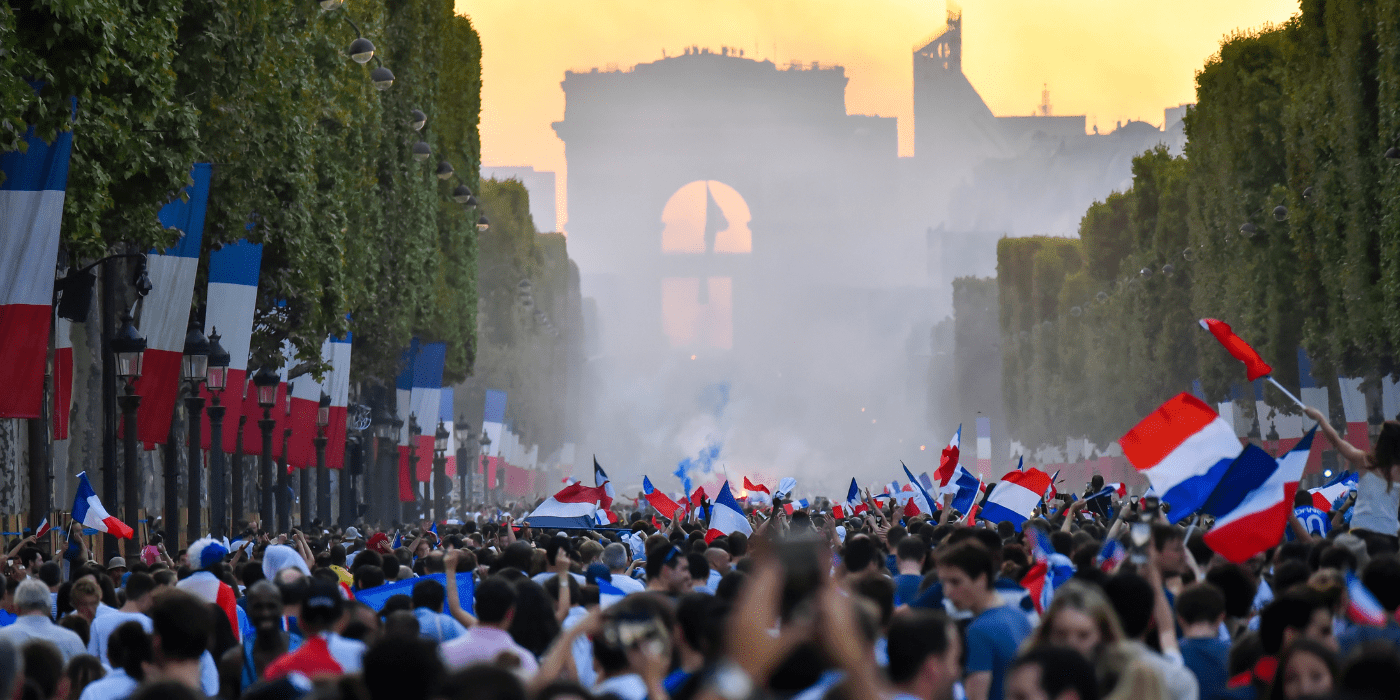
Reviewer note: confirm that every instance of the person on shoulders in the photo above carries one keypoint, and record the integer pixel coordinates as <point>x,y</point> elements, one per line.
<point>1375,517</point>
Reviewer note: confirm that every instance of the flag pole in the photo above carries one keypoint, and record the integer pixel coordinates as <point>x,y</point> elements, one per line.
<point>1269,378</point>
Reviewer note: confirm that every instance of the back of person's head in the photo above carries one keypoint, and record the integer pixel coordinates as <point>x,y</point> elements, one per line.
<point>534,625</point>
<point>1237,586</point>
<point>1372,670</point>
<point>395,603</point>
<point>82,670</point>
<point>486,682</point>
<point>495,598</point>
<point>50,573</point>
<point>181,625</point>
<point>368,557</point>
<point>1290,573</point>
<point>911,549</point>
<point>11,668</point>
<point>701,618</point>
<point>616,556</point>
<point>128,648</point>
<point>895,535</point>
<point>79,625</point>
<point>402,669</point>
<point>85,591</point>
<point>1096,482</point>
<point>551,588</point>
<point>323,606</point>
<point>32,596</point>
<point>1382,577</point>
<point>139,585</point>
<point>43,664</point>
<point>738,544</point>
<point>1060,670</point>
<point>1006,530</point>
<point>914,636</point>
<point>699,567</point>
<point>172,690</point>
<point>1132,597</point>
<point>730,584</point>
<point>517,555</point>
<point>859,553</point>
<point>402,624</point>
<point>1200,602</point>
<point>879,590</point>
<point>368,576</point>
<point>1292,609</point>
<point>429,594</point>
<point>971,558</point>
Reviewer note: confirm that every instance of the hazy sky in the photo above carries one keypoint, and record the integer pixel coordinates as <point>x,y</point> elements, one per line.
<point>1108,59</point>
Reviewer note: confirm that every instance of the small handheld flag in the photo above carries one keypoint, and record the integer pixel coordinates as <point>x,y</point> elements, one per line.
<point>750,486</point>
<point>1255,366</point>
<point>1184,449</point>
<point>1362,606</point>
<point>948,461</point>
<point>726,517</point>
<point>88,510</point>
<point>43,529</point>
<point>1112,554</point>
<point>659,500</point>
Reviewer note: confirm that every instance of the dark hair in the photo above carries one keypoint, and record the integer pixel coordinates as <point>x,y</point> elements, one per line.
<point>913,637</point>
<point>43,664</point>
<point>1382,577</point>
<point>738,544</point>
<point>534,625</point>
<point>1061,669</point>
<point>368,576</point>
<point>182,622</point>
<point>1238,588</point>
<point>660,556</point>
<point>702,619</point>
<point>495,597</point>
<point>1291,609</point>
<point>165,690</point>
<point>730,584</point>
<point>406,669</point>
<point>880,591</point>
<point>1387,451</point>
<point>430,594</point>
<point>395,603</point>
<point>402,623</point>
<point>551,588</point>
<point>128,647</point>
<point>139,584</point>
<point>484,682</point>
<point>911,549</point>
<point>1200,602</point>
<point>50,573</point>
<point>79,625</point>
<point>1372,671</point>
<point>972,558</point>
<point>1132,597</point>
<point>82,670</point>
<point>860,551</point>
<point>638,606</point>
<point>1162,535</point>
<point>1305,646</point>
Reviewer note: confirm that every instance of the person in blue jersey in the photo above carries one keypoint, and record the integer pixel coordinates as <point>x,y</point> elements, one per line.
<point>1313,520</point>
<point>967,571</point>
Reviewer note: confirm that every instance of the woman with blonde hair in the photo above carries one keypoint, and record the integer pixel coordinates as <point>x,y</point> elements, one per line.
<point>1079,618</point>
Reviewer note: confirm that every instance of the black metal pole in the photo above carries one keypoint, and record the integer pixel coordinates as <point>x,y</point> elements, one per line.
<point>171,465</point>
<point>236,500</point>
<point>131,496</point>
<point>40,450</point>
<point>388,475</point>
<point>110,476</point>
<point>218,516</point>
<point>284,485</point>
<point>355,461</point>
<point>194,409</point>
<point>440,480</point>
<point>411,505</point>
<point>269,479</point>
<point>323,481</point>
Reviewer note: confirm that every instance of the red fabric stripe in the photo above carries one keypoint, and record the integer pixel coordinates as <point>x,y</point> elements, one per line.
<point>23,354</point>
<point>1252,534</point>
<point>1240,350</point>
<point>159,387</point>
<point>301,452</point>
<point>947,465</point>
<point>406,493</point>
<point>62,391</point>
<point>1165,429</point>
<point>229,603</point>
<point>426,445</point>
<point>1357,436</point>
<point>117,528</point>
<point>450,466</point>
<point>335,438</point>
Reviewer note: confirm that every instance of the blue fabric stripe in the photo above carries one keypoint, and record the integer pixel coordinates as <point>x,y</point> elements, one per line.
<point>404,381</point>
<point>236,263</point>
<point>43,166</point>
<point>495,406</point>
<point>1251,469</point>
<point>1188,496</point>
<point>445,406</point>
<point>996,512</point>
<point>427,366</point>
<point>556,521</point>
<point>188,216</point>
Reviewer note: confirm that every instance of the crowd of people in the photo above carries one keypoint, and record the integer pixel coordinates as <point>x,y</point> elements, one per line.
<point>806,606</point>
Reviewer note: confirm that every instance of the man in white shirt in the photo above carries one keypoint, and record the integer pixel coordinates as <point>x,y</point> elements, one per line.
<point>32,605</point>
<point>139,587</point>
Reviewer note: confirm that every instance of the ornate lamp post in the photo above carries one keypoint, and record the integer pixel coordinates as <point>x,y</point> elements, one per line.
<point>485,443</point>
<point>193,368</point>
<point>284,475</point>
<point>216,379</point>
<point>466,465</point>
<point>440,482</point>
<point>413,432</point>
<point>129,349</point>
<point>265,382</point>
<point>387,434</point>
<point>323,475</point>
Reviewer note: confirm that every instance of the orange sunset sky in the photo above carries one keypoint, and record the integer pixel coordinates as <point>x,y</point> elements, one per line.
<point>1111,60</point>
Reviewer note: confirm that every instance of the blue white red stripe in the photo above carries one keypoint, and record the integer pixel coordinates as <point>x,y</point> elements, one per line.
<point>1362,606</point>
<point>425,399</point>
<point>494,416</point>
<point>1114,490</point>
<point>337,386</point>
<point>984,444</point>
<point>1184,449</point>
<point>574,506</point>
<point>62,377</point>
<point>1324,496</point>
<point>1252,503</point>
<point>601,480</point>
<point>31,210</point>
<point>659,500</point>
<point>88,510</point>
<point>232,299</point>
<point>726,517</point>
<point>446,402</point>
<point>948,460</point>
<point>1111,555</point>
<point>165,312</point>
<point>1016,496</point>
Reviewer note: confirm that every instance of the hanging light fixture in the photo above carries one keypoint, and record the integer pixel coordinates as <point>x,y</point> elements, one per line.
<point>461,194</point>
<point>331,4</point>
<point>444,170</point>
<point>417,120</point>
<point>381,77</point>
<point>1248,230</point>
<point>361,50</point>
<point>421,151</point>
<point>482,224</point>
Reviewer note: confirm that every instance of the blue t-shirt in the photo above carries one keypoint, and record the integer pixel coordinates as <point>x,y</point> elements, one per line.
<point>1349,640</point>
<point>992,641</point>
<point>1209,659</point>
<point>906,588</point>
<point>1314,521</point>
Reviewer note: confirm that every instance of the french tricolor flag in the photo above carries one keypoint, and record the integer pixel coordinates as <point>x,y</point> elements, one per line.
<point>304,400</point>
<point>1240,350</point>
<point>1354,406</point>
<point>659,500</point>
<point>62,377</point>
<point>252,434</point>
<point>948,461</point>
<point>426,399</point>
<point>1252,502</point>
<point>1114,490</point>
<point>969,490</point>
<point>601,480</point>
<point>232,299</point>
<point>1362,606</point>
<point>165,312</point>
<point>337,386</point>
<point>494,416</point>
<point>1015,497</point>
<point>1184,449</point>
<point>575,506</point>
<point>31,209</point>
<point>446,401</point>
<point>88,510</point>
<point>1111,555</point>
<point>726,518</point>
<point>922,499</point>
<point>854,505</point>
<point>791,506</point>
<point>750,486</point>
<point>1327,494</point>
<point>984,444</point>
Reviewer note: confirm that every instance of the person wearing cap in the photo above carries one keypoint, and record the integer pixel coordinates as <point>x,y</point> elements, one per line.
<point>116,569</point>
<point>204,554</point>
<point>323,654</point>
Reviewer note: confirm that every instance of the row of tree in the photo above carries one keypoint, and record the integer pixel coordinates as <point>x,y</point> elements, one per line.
<point>310,158</point>
<point>1281,218</point>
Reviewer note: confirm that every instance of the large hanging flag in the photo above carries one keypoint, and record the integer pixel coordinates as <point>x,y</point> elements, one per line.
<point>600,479</point>
<point>62,377</point>
<point>446,401</point>
<point>1253,502</point>
<point>1184,449</point>
<point>403,394</point>
<point>1325,495</point>
<point>1016,496</point>
<point>337,386</point>
<point>575,506</point>
<point>304,397</point>
<point>232,299</point>
<point>88,510</point>
<point>1354,406</point>
<point>1254,365</point>
<point>425,399</point>
<point>31,209</point>
<point>984,444</point>
<point>165,312</point>
<point>659,500</point>
<point>726,517</point>
<point>494,416</point>
<point>948,461</point>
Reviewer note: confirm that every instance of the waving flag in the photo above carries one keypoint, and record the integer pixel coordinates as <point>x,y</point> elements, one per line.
<point>853,506</point>
<point>726,517</point>
<point>658,500</point>
<point>44,527</point>
<point>1016,496</point>
<point>1039,580</point>
<point>165,312</point>
<point>88,510</point>
<point>1184,449</point>
<point>924,500</point>
<point>1240,350</point>
<point>792,506</point>
<point>948,461</point>
<point>1323,496</point>
<point>1362,606</point>
<point>969,490</point>
<point>926,482</point>
<point>1252,504</point>
<point>1051,492</point>
<point>1112,554</point>
<point>232,299</point>
<point>600,479</point>
<point>750,486</point>
<point>31,209</point>
<point>1114,490</point>
<point>984,444</point>
<point>785,487</point>
<point>574,507</point>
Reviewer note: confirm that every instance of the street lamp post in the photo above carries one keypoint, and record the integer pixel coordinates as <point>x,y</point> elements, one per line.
<point>236,498</point>
<point>216,380</point>
<point>193,368</point>
<point>387,437</point>
<point>466,465</point>
<point>440,439</point>
<point>413,432</point>
<point>129,349</point>
<point>485,443</point>
<point>265,381</point>
<point>284,476</point>
<point>323,474</point>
